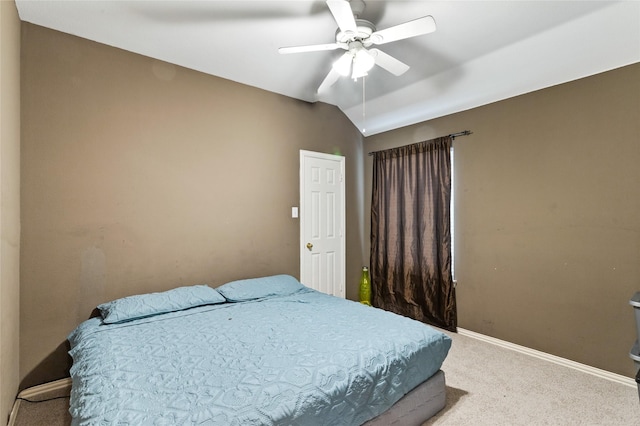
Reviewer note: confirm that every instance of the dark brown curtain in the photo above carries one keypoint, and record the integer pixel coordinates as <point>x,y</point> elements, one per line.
<point>411,232</point>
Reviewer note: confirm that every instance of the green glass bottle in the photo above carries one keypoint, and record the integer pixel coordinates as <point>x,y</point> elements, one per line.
<point>365,287</point>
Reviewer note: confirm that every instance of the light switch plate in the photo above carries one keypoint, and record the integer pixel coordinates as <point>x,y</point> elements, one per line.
<point>294,212</point>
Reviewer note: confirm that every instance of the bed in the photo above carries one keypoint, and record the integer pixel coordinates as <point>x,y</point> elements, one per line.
<point>263,351</point>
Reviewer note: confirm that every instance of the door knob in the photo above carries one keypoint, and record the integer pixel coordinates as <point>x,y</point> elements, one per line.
<point>309,246</point>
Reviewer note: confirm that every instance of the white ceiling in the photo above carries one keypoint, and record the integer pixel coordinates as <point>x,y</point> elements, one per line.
<point>481,52</point>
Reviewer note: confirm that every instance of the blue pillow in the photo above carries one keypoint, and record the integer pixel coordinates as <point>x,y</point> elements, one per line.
<point>258,288</point>
<point>145,305</point>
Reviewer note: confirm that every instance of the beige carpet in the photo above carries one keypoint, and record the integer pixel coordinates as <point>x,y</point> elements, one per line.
<point>486,385</point>
<point>490,385</point>
<point>50,409</point>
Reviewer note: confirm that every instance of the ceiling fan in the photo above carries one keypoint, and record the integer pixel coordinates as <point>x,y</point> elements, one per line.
<point>356,36</point>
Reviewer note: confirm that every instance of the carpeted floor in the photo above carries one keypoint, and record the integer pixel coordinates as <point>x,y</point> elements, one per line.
<point>491,385</point>
<point>50,409</point>
<point>50,413</point>
<point>486,385</point>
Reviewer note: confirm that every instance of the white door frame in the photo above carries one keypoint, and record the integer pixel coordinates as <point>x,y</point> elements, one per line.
<point>305,269</point>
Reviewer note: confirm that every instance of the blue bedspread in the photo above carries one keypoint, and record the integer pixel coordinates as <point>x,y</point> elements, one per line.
<point>301,359</point>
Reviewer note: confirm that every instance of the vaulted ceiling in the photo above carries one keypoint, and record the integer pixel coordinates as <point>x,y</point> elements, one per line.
<point>481,51</point>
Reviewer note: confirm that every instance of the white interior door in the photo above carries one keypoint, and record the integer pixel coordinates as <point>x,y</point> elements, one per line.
<point>322,222</point>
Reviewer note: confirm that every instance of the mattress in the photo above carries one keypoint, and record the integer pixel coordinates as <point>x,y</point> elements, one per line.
<point>420,404</point>
<point>295,357</point>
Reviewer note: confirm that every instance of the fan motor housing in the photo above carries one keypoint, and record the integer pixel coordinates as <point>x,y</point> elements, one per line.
<point>363,32</point>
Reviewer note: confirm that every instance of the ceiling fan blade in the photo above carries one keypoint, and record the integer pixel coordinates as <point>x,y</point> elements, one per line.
<point>328,81</point>
<point>342,13</point>
<point>388,62</point>
<point>420,26</point>
<point>310,48</point>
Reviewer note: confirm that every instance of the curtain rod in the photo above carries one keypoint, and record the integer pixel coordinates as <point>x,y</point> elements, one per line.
<point>452,135</point>
<point>462,133</point>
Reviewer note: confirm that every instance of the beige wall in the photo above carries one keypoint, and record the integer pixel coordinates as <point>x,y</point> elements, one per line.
<point>9,205</point>
<point>142,176</point>
<point>547,226</point>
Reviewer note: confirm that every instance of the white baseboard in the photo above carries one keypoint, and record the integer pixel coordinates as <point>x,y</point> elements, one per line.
<point>36,391</point>
<point>14,412</point>
<point>618,378</point>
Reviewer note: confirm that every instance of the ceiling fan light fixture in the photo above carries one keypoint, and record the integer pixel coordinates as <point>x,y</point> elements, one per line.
<point>343,65</point>
<point>363,61</point>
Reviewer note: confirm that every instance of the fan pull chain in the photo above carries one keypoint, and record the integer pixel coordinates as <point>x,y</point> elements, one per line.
<point>364,116</point>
